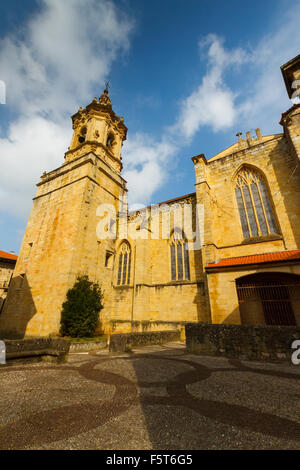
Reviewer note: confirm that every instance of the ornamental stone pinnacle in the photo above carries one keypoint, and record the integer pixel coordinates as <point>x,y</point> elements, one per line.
<point>239,135</point>
<point>104,99</point>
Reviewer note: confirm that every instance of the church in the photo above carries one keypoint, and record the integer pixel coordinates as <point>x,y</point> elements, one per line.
<point>245,210</point>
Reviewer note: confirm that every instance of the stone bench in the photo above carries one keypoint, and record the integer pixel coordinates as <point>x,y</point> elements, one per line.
<point>36,349</point>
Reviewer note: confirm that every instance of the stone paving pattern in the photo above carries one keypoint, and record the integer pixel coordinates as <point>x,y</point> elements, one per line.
<point>157,397</point>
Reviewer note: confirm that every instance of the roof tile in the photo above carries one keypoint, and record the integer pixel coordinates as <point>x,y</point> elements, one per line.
<point>5,255</point>
<point>257,259</point>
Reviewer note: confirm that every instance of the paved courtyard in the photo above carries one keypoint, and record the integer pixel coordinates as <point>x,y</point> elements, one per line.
<point>158,397</point>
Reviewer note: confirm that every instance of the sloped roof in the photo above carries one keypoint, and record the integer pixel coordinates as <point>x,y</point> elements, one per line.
<point>257,259</point>
<point>292,108</point>
<point>10,256</point>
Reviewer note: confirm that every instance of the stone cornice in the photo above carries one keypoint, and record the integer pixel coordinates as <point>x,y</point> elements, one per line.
<point>93,144</point>
<point>172,283</point>
<point>47,178</point>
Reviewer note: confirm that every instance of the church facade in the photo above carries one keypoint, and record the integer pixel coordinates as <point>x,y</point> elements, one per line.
<point>244,266</point>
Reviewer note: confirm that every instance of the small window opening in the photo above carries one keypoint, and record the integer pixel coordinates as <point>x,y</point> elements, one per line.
<point>110,140</point>
<point>108,259</point>
<point>82,136</point>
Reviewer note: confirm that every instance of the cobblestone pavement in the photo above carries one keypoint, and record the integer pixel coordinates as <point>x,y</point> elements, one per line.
<point>158,397</point>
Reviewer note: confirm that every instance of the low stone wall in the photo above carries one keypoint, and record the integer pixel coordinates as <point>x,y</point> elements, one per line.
<point>125,342</point>
<point>85,346</point>
<point>268,343</point>
<point>36,349</point>
<point>145,326</point>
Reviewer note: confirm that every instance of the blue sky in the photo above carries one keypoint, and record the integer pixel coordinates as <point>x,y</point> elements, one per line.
<point>186,76</point>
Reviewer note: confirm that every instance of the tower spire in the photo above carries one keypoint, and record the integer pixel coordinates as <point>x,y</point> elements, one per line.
<point>104,99</point>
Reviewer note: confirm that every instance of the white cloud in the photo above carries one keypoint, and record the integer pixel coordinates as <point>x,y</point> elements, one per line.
<point>49,69</point>
<point>69,47</point>
<point>265,94</point>
<point>147,161</point>
<point>256,101</point>
<point>212,103</point>
<point>208,105</point>
<point>33,146</point>
<point>259,97</point>
<point>145,166</point>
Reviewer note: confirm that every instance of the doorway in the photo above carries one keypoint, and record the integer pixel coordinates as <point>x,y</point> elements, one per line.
<point>269,298</point>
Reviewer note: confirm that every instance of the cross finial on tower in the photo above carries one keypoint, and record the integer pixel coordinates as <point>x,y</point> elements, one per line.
<point>104,99</point>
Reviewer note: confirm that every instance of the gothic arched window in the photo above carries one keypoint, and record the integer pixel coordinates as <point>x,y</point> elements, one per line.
<point>180,263</point>
<point>124,264</point>
<point>254,204</point>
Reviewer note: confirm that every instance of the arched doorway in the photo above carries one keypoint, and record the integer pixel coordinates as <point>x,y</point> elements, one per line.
<point>269,298</point>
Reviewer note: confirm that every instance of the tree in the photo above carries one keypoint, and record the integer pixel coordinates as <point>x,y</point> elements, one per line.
<point>80,312</point>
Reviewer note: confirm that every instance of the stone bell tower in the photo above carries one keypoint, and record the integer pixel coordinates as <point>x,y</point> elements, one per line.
<point>60,240</point>
<point>291,118</point>
<point>97,128</point>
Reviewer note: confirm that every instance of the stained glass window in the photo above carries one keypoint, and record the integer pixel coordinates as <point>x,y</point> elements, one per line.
<point>254,205</point>
<point>180,264</point>
<point>124,265</point>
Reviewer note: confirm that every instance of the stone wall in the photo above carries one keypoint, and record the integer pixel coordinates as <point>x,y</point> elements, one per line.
<point>86,346</point>
<point>223,237</point>
<point>6,270</point>
<point>147,326</point>
<point>37,349</point>
<point>270,343</point>
<point>125,342</point>
<point>152,301</point>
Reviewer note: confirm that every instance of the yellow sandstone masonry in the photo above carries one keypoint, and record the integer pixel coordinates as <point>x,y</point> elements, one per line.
<point>6,270</point>
<point>61,242</point>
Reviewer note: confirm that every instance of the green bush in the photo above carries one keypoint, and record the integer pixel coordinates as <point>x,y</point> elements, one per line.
<point>80,312</point>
